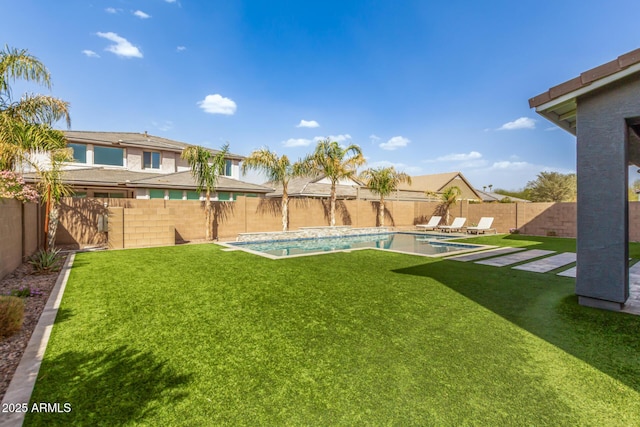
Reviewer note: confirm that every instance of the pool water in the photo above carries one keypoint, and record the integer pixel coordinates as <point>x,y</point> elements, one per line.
<point>424,244</point>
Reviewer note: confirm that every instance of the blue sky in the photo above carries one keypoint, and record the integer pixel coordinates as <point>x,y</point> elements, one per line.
<point>426,86</point>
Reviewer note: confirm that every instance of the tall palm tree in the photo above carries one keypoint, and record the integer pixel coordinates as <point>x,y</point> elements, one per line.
<point>335,163</point>
<point>279,170</point>
<point>449,198</point>
<point>26,125</point>
<point>205,168</point>
<point>383,181</point>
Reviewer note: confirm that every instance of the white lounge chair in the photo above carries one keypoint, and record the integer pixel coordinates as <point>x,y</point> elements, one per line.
<point>431,225</point>
<point>457,224</point>
<point>484,225</point>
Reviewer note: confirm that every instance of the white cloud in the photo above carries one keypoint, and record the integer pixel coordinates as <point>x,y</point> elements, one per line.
<point>401,167</point>
<point>165,126</point>
<point>112,10</point>
<point>395,143</point>
<point>181,49</point>
<point>336,138</point>
<point>218,104</point>
<point>122,46</point>
<point>507,165</point>
<point>473,155</point>
<point>297,142</point>
<point>170,1</point>
<point>521,123</point>
<point>90,53</point>
<point>374,138</point>
<point>552,128</point>
<point>140,14</point>
<point>308,124</point>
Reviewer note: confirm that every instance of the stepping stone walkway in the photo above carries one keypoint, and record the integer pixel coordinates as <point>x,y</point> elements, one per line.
<point>549,263</point>
<point>514,258</point>
<point>568,273</point>
<point>486,254</point>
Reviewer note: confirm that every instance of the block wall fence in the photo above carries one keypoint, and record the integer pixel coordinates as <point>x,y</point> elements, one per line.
<point>141,223</point>
<point>21,233</point>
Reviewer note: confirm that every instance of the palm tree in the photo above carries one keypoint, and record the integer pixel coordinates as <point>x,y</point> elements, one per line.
<point>52,189</point>
<point>279,170</point>
<point>205,168</point>
<point>335,163</point>
<point>383,181</point>
<point>449,198</point>
<point>25,125</point>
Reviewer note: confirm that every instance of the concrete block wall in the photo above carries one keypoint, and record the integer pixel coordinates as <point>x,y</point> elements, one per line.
<point>21,233</point>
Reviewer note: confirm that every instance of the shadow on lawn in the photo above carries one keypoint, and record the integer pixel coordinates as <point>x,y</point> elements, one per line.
<point>546,306</point>
<point>119,387</point>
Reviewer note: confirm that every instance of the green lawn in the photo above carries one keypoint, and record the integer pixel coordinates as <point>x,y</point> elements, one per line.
<point>195,336</point>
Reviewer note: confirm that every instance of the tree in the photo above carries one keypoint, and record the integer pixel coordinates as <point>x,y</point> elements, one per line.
<point>52,188</point>
<point>383,181</point>
<point>26,125</point>
<point>205,168</point>
<point>279,170</point>
<point>633,190</point>
<point>335,163</point>
<point>552,187</point>
<point>449,198</point>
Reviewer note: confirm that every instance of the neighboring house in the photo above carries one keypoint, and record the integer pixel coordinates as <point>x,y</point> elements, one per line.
<point>143,166</point>
<point>489,197</point>
<point>439,182</point>
<point>353,189</point>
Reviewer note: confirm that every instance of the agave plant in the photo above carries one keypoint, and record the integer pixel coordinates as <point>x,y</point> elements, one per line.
<point>46,261</point>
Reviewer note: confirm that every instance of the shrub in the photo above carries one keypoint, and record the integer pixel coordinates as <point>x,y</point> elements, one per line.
<point>46,261</point>
<point>514,231</point>
<point>25,292</point>
<point>13,186</point>
<point>11,315</point>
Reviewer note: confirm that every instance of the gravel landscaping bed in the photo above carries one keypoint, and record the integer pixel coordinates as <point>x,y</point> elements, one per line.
<point>12,348</point>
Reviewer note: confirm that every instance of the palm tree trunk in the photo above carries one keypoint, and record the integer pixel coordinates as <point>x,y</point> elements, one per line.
<point>285,209</point>
<point>47,210</point>
<point>53,224</point>
<point>207,209</point>
<point>381,212</point>
<point>332,207</point>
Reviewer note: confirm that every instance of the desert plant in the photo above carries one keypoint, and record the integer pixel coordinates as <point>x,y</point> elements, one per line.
<point>383,181</point>
<point>46,261</point>
<point>25,292</point>
<point>11,315</point>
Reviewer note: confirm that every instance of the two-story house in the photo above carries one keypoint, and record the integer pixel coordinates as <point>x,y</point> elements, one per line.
<point>143,166</point>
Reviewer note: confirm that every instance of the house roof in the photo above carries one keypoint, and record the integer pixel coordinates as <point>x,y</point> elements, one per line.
<point>488,196</point>
<point>123,178</point>
<point>436,183</point>
<point>558,104</point>
<point>132,139</point>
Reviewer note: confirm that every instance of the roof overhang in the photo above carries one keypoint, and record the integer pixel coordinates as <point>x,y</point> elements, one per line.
<point>559,104</point>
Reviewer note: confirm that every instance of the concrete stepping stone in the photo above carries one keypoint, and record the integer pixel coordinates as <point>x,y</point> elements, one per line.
<point>635,268</point>
<point>484,254</point>
<point>571,272</point>
<point>514,258</point>
<point>549,263</point>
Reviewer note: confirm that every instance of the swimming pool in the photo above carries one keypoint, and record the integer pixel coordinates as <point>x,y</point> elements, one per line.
<point>421,244</point>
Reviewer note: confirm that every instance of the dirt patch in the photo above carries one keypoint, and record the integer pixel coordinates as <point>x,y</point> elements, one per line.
<point>12,348</point>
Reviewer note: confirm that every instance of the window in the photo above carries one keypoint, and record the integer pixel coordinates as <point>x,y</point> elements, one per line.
<point>193,195</point>
<point>175,194</point>
<point>151,160</point>
<point>108,195</point>
<point>224,197</point>
<point>79,152</point>
<point>227,168</point>
<point>79,194</point>
<point>156,194</point>
<point>108,156</point>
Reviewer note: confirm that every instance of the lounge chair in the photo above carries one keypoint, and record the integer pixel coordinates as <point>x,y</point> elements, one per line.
<point>457,224</point>
<point>431,225</point>
<point>484,225</point>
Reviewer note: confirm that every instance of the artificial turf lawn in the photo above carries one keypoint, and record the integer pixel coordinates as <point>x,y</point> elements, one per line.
<point>194,335</point>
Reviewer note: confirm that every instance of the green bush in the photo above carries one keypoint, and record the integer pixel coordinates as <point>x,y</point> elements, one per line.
<point>11,315</point>
<point>46,261</point>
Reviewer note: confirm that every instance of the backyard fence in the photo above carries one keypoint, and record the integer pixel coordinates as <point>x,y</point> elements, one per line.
<point>21,233</point>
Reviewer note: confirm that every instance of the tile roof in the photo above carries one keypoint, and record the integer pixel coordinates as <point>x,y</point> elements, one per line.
<point>488,196</point>
<point>132,139</point>
<point>124,178</point>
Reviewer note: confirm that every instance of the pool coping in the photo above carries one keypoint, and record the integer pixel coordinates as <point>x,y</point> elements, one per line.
<point>237,246</point>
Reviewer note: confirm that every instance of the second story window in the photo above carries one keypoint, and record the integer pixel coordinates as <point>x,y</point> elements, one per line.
<point>227,168</point>
<point>79,152</point>
<point>151,160</point>
<point>108,156</point>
